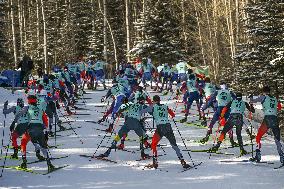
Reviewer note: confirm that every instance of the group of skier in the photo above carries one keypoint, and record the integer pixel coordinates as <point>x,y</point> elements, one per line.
<point>131,101</point>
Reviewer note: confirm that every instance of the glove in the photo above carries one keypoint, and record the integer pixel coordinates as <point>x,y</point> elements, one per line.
<point>57,105</point>
<point>250,96</point>
<point>12,126</point>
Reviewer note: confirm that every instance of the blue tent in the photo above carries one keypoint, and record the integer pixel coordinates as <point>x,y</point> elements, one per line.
<point>10,78</point>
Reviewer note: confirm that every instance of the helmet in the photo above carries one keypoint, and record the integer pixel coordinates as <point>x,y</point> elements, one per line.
<point>20,102</point>
<point>32,99</point>
<point>207,80</point>
<point>239,96</point>
<point>156,98</point>
<point>191,77</point>
<point>140,99</point>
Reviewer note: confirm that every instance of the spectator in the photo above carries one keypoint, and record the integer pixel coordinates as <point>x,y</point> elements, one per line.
<point>26,65</point>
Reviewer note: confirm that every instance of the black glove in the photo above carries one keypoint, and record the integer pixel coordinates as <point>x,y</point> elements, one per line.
<point>250,96</point>
<point>12,126</point>
<point>57,105</point>
<point>6,104</point>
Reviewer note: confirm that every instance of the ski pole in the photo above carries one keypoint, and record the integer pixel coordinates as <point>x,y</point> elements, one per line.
<point>68,121</point>
<point>184,144</point>
<point>250,117</point>
<point>55,126</point>
<point>4,163</point>
<point>3,135</point>
<point>105,137</point>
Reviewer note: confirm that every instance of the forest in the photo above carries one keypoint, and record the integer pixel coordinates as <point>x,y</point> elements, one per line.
<point>241,41</point>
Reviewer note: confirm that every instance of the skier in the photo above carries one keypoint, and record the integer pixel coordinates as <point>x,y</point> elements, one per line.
<point>160,113</point>
<point>270,106</point>
<point>191,95</point>
<point>223,97</point>
<point>237,109</point>
<point>37,122</point>
<point>99,73</point>
<point>132,122</point>
<point>21,127</point>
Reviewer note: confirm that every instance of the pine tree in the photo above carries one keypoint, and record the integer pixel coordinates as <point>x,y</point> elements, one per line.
<point>5,56</point>
<point>161,34</point>
<point>259,58</point>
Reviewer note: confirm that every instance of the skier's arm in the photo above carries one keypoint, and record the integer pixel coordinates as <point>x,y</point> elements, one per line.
<point>279,106</point>
<point>258,99</point>
<point>45,120</point>
<point>171,112</point>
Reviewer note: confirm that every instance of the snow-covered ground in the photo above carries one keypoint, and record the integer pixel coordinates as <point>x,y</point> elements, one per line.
<point>129,173</point>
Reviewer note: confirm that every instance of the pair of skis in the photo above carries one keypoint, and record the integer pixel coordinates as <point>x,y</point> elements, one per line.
<point>145,167</point>
<point>18,168</point>
<point>252,162</point>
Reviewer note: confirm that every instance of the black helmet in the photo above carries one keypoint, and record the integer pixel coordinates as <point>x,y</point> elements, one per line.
<point>20,102</point>
<point>140,99</point>
<point>156,98</point>
<point>239,95</point>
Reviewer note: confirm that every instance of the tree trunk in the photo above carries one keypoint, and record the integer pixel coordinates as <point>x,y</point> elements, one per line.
<point>199,32</point>
<point>105,31</point>
<point>215,70</point>
<point>44,38</point>
<point>127,29</point>
<point>20,18</point>
<point>13,34</point>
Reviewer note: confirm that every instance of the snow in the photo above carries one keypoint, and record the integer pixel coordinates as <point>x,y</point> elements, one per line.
<point>128,173</point>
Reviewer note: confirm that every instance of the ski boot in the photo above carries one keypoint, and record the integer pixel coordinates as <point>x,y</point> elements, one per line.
<point>233,143</point>
<point>95,87</point>
<point>243,152</point>
<point>61,128</point>
<point>154,165</point>
<point>15,154</point>
<point>282,159</point>
<point>120,146</point>
<point>39,157</point>
<point>104,155</point>
<point>184,164</point>
<point>110,128</point>
<point>144,156</point>
<point>257,157</point>
<point>68,111</point>
<point>183,120</point>
<point>50,134</point>
<point>50,167</point>
<point>206,138</point>
<point>24,164</point>
<point>215,148</point>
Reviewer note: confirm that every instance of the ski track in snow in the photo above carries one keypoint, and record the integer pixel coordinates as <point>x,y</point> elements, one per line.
<point>83,173</point>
